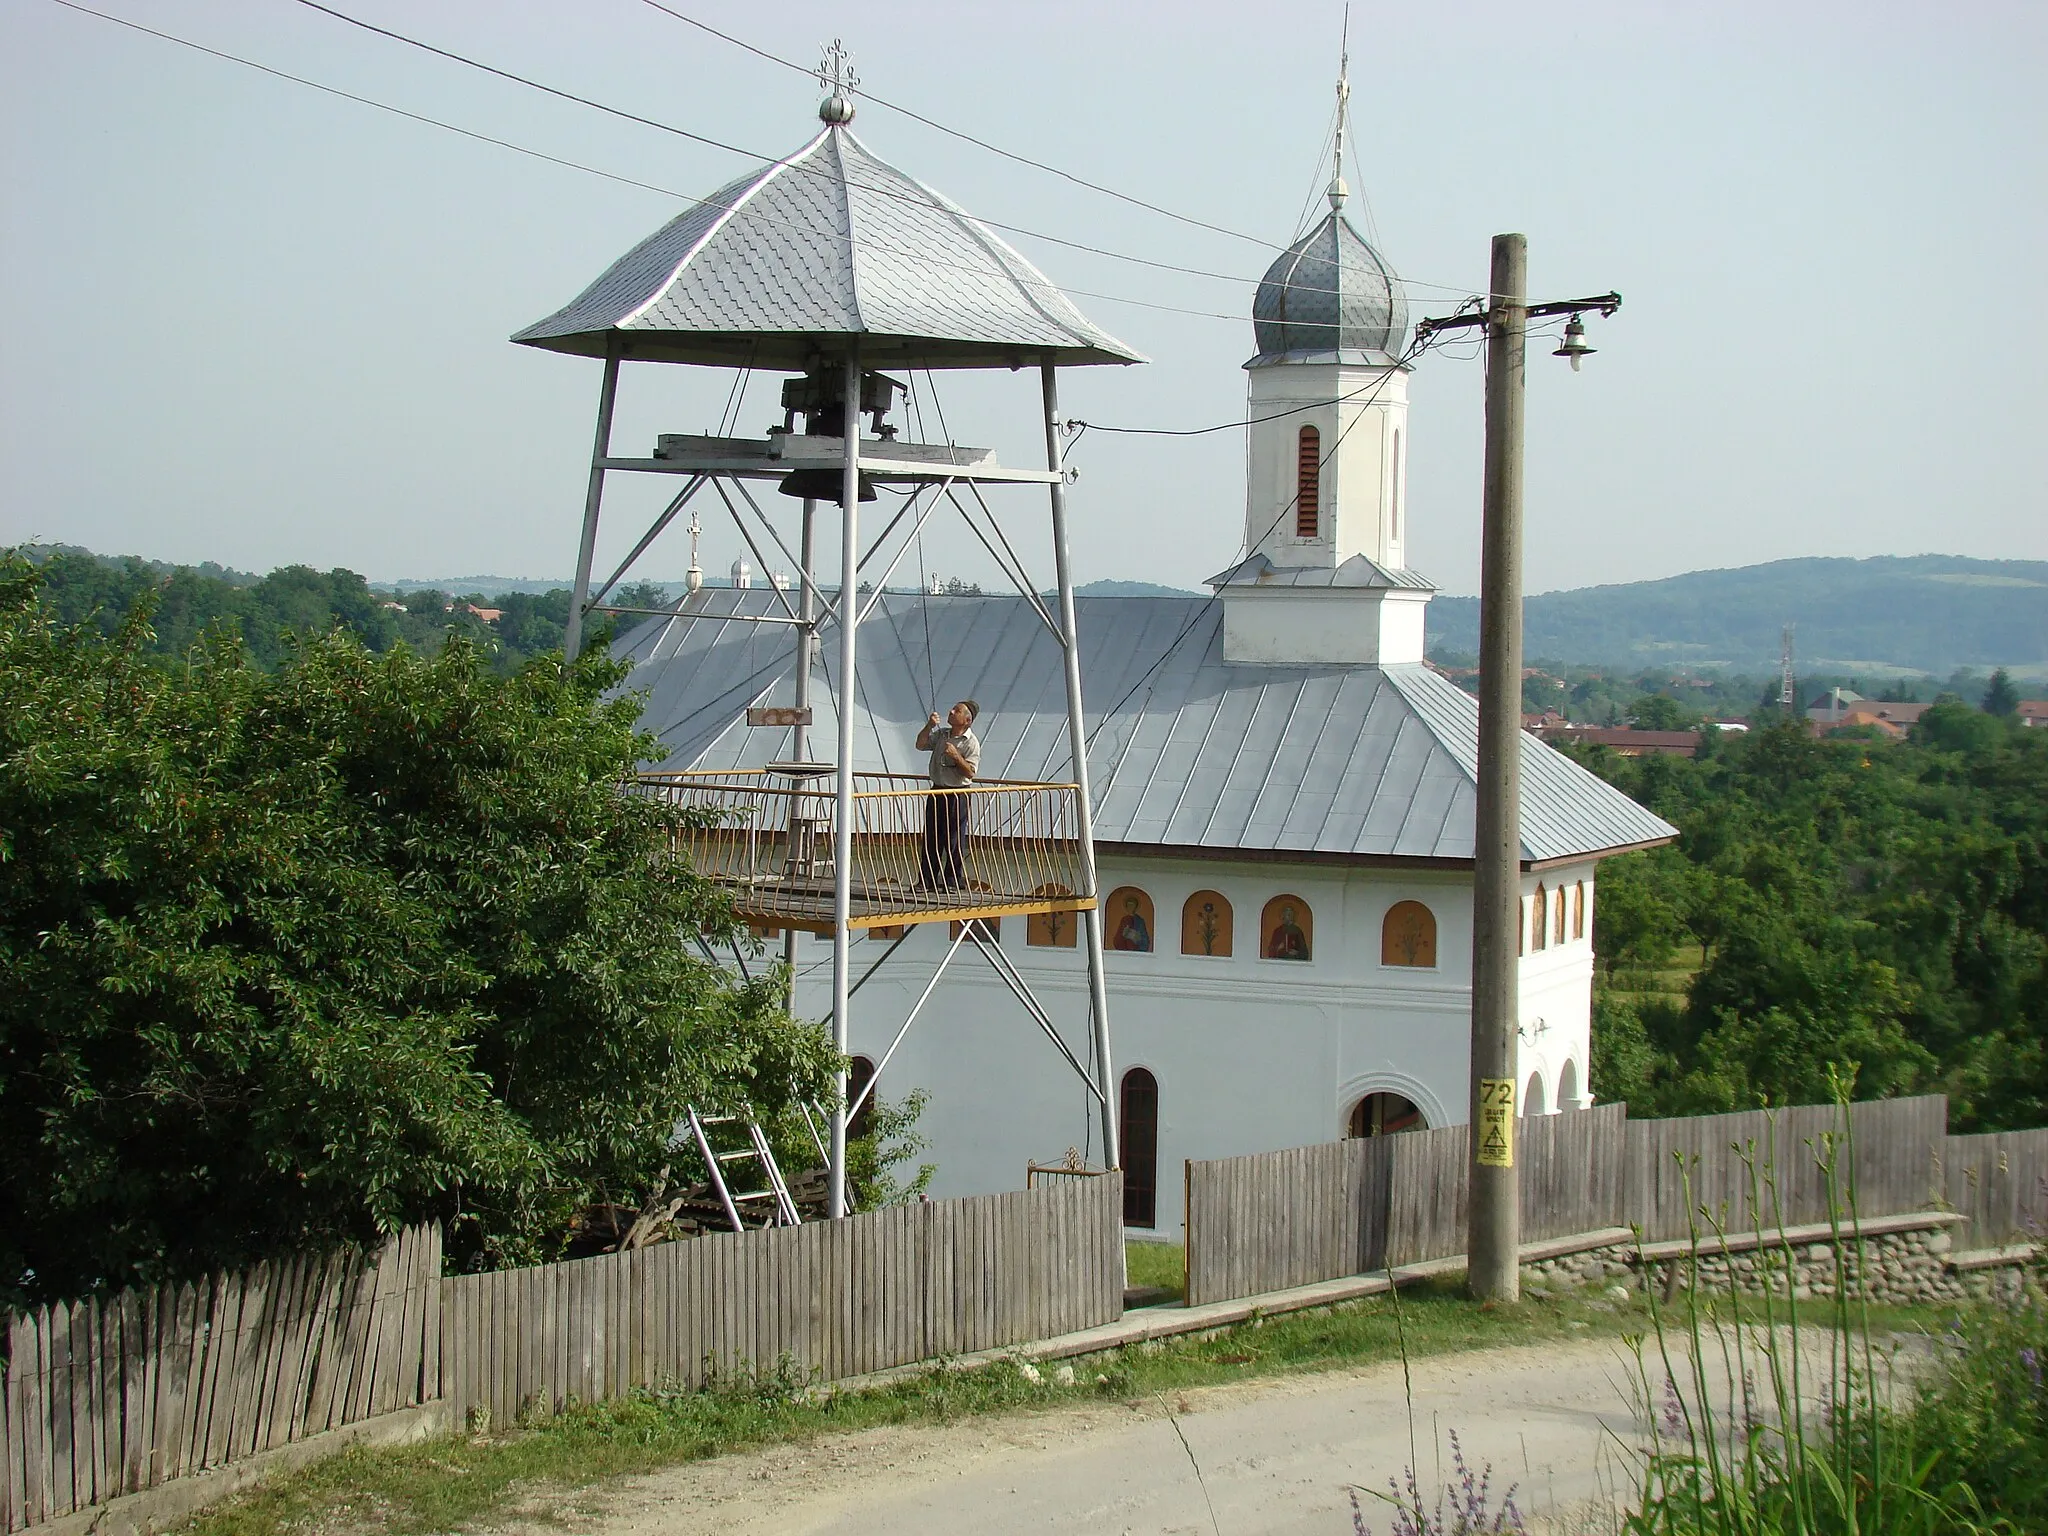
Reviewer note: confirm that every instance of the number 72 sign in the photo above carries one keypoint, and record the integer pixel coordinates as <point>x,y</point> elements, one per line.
<point>1496,1128</point>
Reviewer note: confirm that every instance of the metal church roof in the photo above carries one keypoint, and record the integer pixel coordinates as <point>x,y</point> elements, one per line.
<point>1358,571</point>
<point>793,261</point>
<point>1185,751</point>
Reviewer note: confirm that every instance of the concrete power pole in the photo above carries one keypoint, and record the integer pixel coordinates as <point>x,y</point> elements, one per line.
<point>1494,1205</point>
<point>1493,1209</point>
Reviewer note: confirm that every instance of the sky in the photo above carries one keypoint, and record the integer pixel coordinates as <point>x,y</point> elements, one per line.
<point>253,323</point>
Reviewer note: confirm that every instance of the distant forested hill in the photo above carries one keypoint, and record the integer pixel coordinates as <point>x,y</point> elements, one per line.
<point>1925,613</point>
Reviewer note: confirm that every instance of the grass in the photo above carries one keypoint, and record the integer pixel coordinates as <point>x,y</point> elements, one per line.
<point>456,1481</point>
<point>1160,1264</point>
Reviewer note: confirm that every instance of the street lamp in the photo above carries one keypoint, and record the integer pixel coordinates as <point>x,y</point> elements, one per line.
<point>1493,1215</point>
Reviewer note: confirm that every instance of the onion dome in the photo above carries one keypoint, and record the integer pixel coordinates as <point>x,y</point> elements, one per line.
<point>1330,299</point>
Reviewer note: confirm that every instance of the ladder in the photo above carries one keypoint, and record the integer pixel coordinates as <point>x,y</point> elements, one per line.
<point>780,1209</point>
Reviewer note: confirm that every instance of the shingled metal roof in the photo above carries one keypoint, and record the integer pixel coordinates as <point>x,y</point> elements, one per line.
<point>1330,298</point>
<point>791,262</point>
<point>1185,751</point>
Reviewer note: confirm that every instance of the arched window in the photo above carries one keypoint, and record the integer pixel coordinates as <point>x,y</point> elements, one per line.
<point>1052,930</point>
<point>1140,1132</point>
<point>1557,917</point>
<point>859,1073</point>
<point>1408,935</point>
<point>1205,923</point>
<point>1579,910</point>
<point>1308,484</point>
<point>1539,927</point>
<point>1384,1114</point>
<point>1286,929</point>
<point>1128,921</point>
<point>1568,1086</point>
<point>1394,517</point>
<point>1532,1096</point>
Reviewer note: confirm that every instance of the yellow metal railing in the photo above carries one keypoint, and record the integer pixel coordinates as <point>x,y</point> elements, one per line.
<point>917,851</point>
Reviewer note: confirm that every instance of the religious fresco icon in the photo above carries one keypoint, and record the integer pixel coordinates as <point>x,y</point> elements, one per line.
<point>1287,929</point>
<point>1052,930</point>
<point>1205,924</point>
<point>1128,913</point>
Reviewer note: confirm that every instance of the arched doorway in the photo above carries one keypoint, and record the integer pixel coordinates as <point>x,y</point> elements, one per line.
<point>1385,1114</point>
<point>1532,1097</point>
<point>1139,1120</point>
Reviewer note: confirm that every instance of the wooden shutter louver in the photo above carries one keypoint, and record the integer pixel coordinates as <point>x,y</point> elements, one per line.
<point>1308,485</point>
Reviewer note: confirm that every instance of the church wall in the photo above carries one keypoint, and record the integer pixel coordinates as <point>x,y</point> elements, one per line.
<point>1250,1053</point>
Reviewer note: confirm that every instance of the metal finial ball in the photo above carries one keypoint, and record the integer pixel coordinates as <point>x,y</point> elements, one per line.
<point>836,109</point>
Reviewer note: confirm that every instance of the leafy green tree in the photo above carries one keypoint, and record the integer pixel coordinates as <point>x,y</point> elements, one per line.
<point>2000,697</point>
<point>297,956</point>
<point>1661,712</point>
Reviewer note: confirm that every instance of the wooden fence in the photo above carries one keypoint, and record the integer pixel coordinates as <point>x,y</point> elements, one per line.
<point>108,1397</point>
<point>104,1398</point>
<point>837,1298</point>
<point>1279,1219</point>
<point>2000,1182</point>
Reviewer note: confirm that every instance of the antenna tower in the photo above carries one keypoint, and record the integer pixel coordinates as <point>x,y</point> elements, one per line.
<point>1785,671</point>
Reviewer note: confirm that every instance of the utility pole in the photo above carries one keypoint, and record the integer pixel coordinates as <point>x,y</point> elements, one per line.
<point>1493,1205</point>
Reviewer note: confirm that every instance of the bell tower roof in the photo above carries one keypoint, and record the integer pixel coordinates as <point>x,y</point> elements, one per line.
<point>1330,298</point>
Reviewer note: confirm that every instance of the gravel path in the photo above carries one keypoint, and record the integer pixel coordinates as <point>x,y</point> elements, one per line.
<point>1277,1456</point>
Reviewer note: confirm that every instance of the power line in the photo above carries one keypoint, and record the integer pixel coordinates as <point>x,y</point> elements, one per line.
<point>1051,170</point>
<point>576,165</point>
<point>765,159</point>
<point>979,143</point>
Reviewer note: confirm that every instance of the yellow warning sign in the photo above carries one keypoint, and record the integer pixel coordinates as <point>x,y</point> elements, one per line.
<point>1496,1122</point>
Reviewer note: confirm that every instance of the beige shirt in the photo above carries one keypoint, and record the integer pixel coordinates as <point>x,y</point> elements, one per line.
<point>945,773</point>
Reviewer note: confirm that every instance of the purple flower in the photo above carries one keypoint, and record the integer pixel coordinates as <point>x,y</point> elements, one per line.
<point>2032,1362</point>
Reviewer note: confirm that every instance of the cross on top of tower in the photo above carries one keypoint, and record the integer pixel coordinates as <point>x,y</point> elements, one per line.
<point>1338,191</point>
<point>835,73</point>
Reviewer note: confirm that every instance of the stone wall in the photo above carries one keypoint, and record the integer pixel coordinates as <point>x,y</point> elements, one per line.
<point>1907,1267</point>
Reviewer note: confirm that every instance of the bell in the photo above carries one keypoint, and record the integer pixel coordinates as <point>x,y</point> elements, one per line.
<point>823,485</point>
<point>1575,346</point>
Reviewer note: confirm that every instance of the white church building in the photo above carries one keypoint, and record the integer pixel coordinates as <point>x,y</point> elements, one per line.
<point>1284,802</point>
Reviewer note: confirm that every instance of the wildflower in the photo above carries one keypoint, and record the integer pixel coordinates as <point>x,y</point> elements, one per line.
<point>2032,1361</point>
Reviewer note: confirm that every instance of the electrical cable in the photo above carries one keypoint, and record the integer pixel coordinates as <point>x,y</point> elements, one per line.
<point>769,160</point>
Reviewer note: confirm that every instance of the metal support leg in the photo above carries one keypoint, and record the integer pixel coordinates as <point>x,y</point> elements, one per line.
<point>1077,740</point>
<point>842,799</point>
<point>608,394</point>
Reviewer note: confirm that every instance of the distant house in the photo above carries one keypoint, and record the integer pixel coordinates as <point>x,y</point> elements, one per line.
<point>488,615</point>
<point>1898,714</point>
<point>1828,708</point>
<point>1625,740</point>
<point>1891,730</point>
<point>1543,722</point>
<point>2033,712</point>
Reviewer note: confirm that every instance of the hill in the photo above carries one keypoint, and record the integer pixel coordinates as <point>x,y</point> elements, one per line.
<point>1923,614</point>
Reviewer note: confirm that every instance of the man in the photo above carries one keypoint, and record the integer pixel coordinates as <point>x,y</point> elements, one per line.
<point>956,755</point>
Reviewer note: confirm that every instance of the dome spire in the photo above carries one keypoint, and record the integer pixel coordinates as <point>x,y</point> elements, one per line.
<point>1338,191</point>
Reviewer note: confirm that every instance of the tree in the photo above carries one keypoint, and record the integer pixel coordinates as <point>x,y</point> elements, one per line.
<point>2000,697</point>
<point>1661,712</point>
<point>293,957</point>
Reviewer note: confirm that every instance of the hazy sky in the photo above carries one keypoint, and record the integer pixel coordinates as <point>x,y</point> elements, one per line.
<point>252,323</point>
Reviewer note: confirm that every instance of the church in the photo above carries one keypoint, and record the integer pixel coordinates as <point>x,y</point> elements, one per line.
<point>1284,797</point>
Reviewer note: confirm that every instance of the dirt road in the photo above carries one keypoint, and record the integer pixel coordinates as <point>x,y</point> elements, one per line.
<point>1277,1456</point>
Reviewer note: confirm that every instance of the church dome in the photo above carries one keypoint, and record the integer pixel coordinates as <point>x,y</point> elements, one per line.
<point>1331,298</point>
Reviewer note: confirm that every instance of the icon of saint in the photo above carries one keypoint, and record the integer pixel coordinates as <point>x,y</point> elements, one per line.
<point>1287,941</point>
<point>1132,931</point>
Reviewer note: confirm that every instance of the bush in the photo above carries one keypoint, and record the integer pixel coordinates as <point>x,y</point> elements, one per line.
<point>294,957</point>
